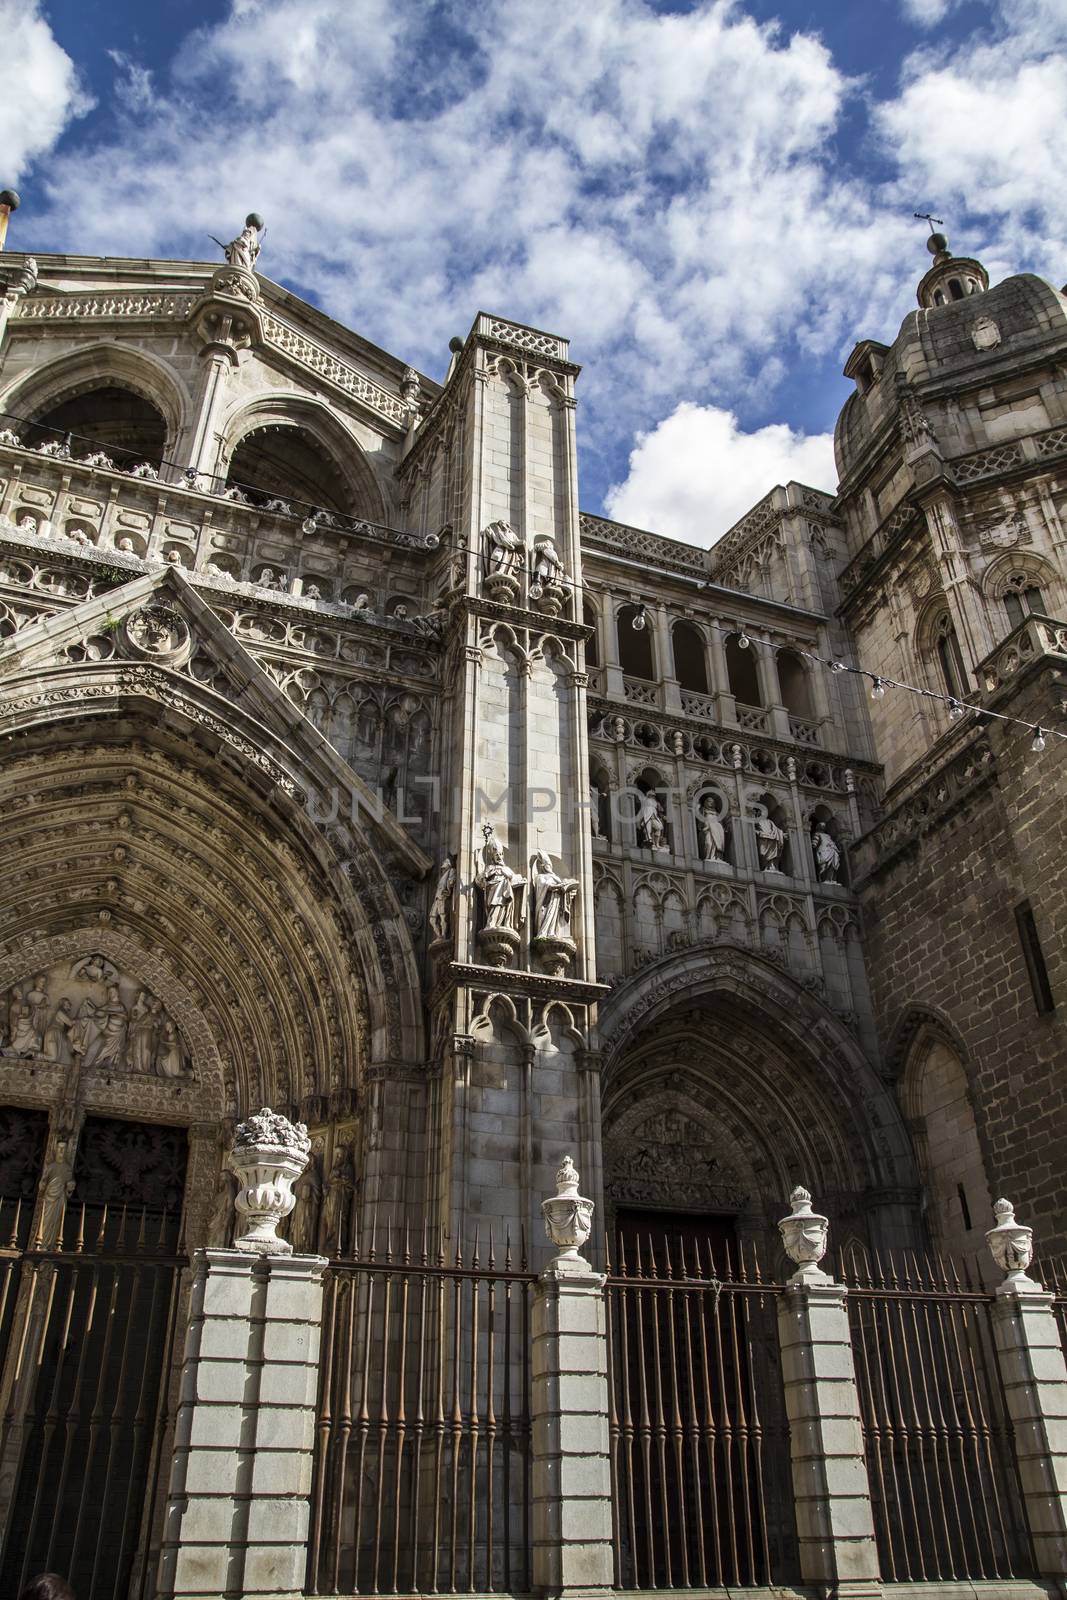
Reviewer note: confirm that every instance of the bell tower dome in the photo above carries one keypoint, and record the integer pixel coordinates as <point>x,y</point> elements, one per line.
<point>951,277</point>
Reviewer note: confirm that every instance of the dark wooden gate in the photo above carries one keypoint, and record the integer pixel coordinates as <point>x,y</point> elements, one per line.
<point>88,1330</point>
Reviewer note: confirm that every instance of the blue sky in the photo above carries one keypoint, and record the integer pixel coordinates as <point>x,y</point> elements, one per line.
<point>712,199</point>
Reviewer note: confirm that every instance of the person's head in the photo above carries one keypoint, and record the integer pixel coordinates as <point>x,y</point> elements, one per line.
<point>47,1586</point>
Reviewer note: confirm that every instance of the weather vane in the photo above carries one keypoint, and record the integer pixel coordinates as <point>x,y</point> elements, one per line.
<point>924,216</point>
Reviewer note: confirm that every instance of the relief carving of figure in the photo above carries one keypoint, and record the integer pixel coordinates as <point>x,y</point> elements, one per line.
<point>770,840</point>
<point>144,1031</point>
<point>711,835</point>
<point>25,1041</point>
<point>57,1186</point>
<point>108,1048</point>
<point>652,823</point>
<point>827,854</point>
<point>221,1222</point>
<point>55,1045</point>
<point>503,891</point>
<point>553,898</point>
<point>304,1228</point>
<point>441,906</point>
<point>170,1060</point>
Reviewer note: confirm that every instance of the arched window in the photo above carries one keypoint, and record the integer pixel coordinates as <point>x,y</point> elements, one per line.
<point>794,684</point>
<point>690,660</point>
<point>741,670</point>
<point>281,461</point>
<point>635,644</point>
<point>955,288</point>
<point>938,1103</point>
<point>109,418</point>
<point>949,658</point>
<point>1022,597</point>
<point>591,620</point>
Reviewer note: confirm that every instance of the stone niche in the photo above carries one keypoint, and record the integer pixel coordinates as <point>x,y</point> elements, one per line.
<point>85,1011</point>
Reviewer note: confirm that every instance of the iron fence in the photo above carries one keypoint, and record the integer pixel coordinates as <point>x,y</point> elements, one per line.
<point>940,1454</point>
<point>699,1446</point>
<point>422,1479</point>
<point>1055,1275</point>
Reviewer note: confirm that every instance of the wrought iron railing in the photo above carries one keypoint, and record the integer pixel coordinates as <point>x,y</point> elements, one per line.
<point>698,1436</point>
<point>422,1478</point>
<point>940,1457</point>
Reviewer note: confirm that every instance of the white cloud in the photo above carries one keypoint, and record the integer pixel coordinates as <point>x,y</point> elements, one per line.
<point>927,13</point>
<point>696,473</point>
<point>41,90</point>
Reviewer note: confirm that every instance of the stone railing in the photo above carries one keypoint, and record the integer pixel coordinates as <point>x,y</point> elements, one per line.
<point>1033,638</point>
<point>640,692</point>
<point>530,340</point>
<point>228,539</point>
<point>616,538</point>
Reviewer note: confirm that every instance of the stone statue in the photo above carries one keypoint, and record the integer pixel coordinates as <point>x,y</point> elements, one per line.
<point>827,855</point>
<point>652,823</point>
<point>441,906</point>
<point>144,1031</point>
<point>57,1186</point>
<point>25,1041</point>
<point>594,811</point>
<point>770,840</point>
<point>243,252</point>
<point>55,1045</point>
<point>504,557</point>
<point>36,998</point>
<point>553,898</point>
<point>304,1228</point>
<point>547,564</point>
<point>711,835</point>
<point>170,1059</point>
<point>220,1223</point>
<point>502,889</point>
<point>340,1187</point>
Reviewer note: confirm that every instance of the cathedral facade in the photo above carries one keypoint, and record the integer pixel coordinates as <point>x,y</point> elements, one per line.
<point>351,770</point>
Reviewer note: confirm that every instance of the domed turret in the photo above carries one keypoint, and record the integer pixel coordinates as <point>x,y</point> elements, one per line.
<point>951,277</point>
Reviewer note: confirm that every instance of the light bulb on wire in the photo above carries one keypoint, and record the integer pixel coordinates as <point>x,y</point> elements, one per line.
<point>639,623</point>
<point>1037,744</point>
<point>878,689</point>
<point>743,640</point>
<point>955,710</point>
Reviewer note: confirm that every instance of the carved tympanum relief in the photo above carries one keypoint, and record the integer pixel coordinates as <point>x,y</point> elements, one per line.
<point>86,1011</point>
<point>667,1159</point>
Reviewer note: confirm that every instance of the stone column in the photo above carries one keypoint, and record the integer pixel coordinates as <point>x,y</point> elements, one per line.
<point>239,1501</point>
<point>835,1525</point>
<point>572,1513</point>
<point>1034,1374</point>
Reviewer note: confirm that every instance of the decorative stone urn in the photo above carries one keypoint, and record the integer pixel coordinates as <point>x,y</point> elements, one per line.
<point>804,1235</point>
<point>1011,1246</point>
<point>568,1220</point>
<point>269,1154</point>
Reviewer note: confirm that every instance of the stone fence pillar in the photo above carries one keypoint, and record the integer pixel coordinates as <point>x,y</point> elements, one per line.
<point>835,1524</point>
<point>572,1515</point>
<point>1034,1374</point>
<point>239,1500</point>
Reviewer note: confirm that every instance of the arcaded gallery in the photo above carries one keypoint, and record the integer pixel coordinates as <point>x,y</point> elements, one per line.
<point>531,1053</point>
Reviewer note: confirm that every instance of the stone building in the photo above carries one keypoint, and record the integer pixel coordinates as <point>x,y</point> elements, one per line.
<point>350,770</point>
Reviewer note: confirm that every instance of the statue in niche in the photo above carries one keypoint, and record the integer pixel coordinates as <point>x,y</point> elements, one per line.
<point>652,823</point>
<point>547,564</point>
<point>340,1187</point>
<point>827,853</point>
<point>304,1229</point>
<point>553,898</point>
<point>57,1186</point>
<point>770,840</point>
<point>443,897</point>
<point>594,811</point>
<point>220,1223</point>
<point>711,835</point>
<point>502,889</point>
<point>505,554</point>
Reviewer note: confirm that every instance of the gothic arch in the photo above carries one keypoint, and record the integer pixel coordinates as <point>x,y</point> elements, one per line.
<point>781,1078</point>
<point>98,366</point>
<point>347,454</point>
<point>202,827</point>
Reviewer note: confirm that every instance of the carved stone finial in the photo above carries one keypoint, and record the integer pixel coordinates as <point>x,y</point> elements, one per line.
<point>804,1234</point>
<point>1012,1248</point>
<point>568,1221</point>
<point>269,1153</point>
